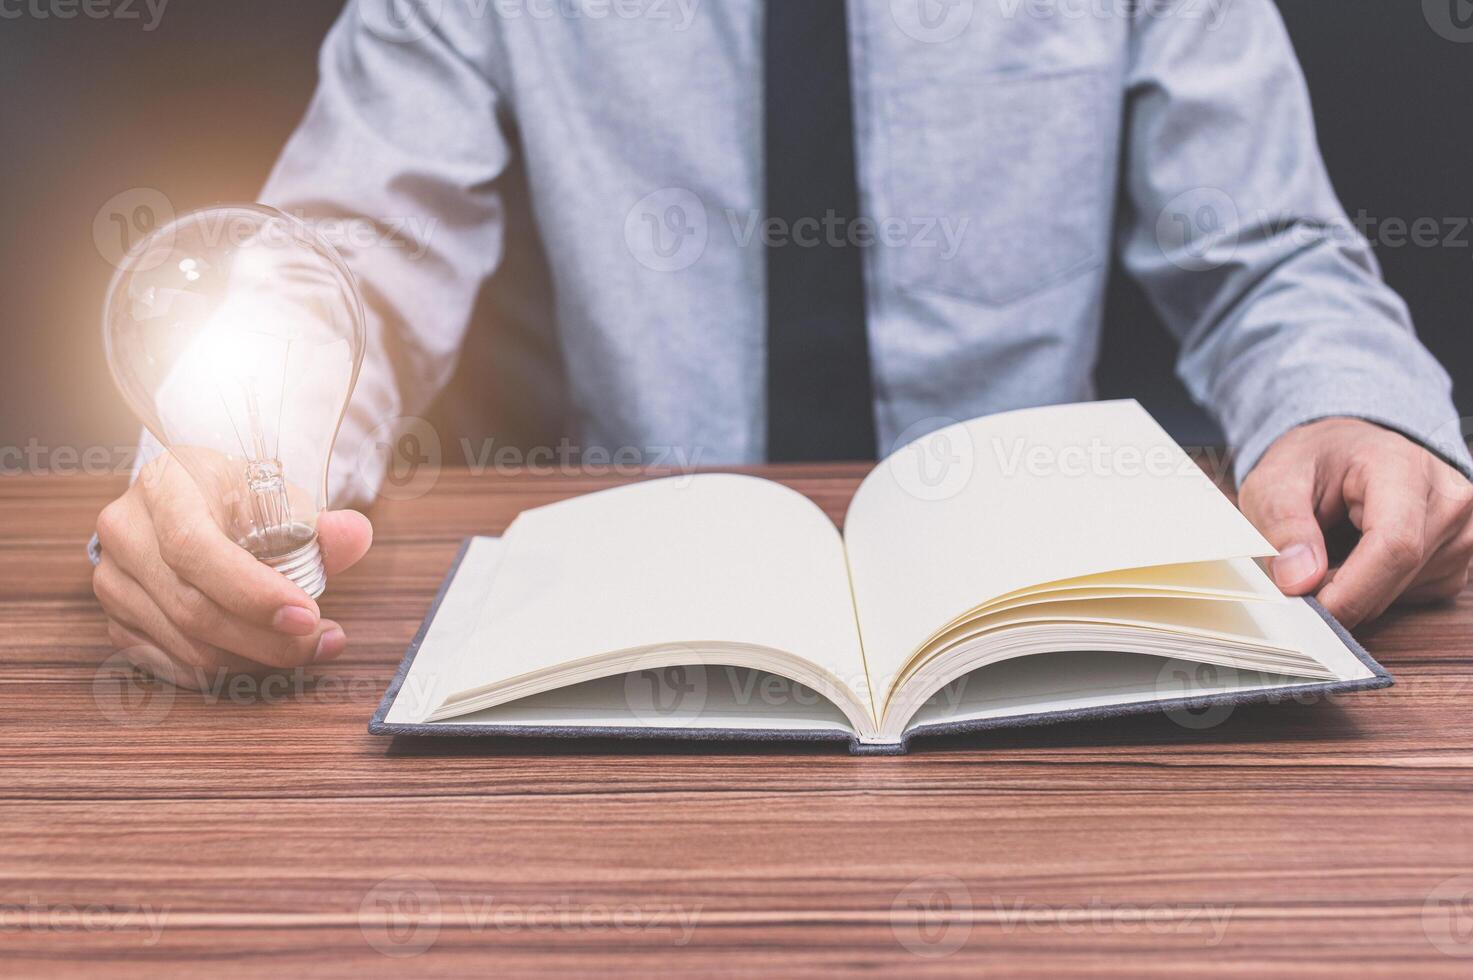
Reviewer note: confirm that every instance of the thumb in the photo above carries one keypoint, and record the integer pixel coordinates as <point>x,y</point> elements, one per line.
<point>1281,505</point>
<point>345,536</point>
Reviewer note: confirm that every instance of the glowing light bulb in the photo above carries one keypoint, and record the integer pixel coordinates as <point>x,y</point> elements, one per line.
<point>236,334</point>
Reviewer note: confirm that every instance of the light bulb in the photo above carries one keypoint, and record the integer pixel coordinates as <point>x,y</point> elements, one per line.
<point>236,333</point>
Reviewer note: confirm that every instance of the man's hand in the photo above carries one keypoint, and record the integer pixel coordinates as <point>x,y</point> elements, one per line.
<point>185,602</point>
<point>1412,509</point>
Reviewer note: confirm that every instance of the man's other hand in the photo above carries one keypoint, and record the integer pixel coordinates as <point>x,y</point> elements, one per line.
<point>185,602</point>
<point>1412,509</point>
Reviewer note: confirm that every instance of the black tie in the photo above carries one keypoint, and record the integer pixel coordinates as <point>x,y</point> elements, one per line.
<point>819,400</point>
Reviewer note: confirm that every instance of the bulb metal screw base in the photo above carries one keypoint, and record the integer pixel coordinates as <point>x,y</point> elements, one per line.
<point>303,566</point>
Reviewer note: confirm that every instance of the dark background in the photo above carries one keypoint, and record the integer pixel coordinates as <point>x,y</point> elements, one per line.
<point>199,107</point>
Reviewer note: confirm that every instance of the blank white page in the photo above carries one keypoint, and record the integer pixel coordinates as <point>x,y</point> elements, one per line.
<point>436,663</point>
<point>722,698</point>
<point>1025,498</point>
<point>708,559</point>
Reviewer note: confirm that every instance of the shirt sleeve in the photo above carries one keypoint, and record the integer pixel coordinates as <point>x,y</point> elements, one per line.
<point>396,163</point>
<point>1231,226</point>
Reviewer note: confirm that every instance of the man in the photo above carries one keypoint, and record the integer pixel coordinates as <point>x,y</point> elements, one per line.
<point>945,184</point>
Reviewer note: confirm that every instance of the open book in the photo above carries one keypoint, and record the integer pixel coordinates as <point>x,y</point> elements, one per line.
<point>1036,565</point>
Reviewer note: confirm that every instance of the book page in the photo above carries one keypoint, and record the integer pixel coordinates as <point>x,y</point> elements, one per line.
<point>722,698</point>
<point>1053,683</point>
<point>709,562</point>
<point>1233,578</point>
<point>1049,683</point>
<point>436,663</point>
<point>984,508</point>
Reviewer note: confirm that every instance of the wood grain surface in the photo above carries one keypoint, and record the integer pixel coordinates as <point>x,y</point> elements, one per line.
<point>263,831</point>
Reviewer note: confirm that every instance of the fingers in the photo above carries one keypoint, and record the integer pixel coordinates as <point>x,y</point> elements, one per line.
<point>145,654</point>
<point>175,659</point>
<point>1279,498</point>
<point>171,575</point>
<point>191,544</point>
<point>1438,589</point>
<point>151,599</point>
<point>1445,575</point>
<point>1414,511</point>
<point>1392,504</point>
<point>345,536</point>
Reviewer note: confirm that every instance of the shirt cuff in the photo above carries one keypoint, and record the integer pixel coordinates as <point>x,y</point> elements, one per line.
<point>1427,418</point>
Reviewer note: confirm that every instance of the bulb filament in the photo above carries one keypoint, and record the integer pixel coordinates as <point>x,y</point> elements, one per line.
<point>275,532</point>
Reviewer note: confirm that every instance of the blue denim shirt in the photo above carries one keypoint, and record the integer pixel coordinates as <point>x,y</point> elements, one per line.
<point>1006,149</point>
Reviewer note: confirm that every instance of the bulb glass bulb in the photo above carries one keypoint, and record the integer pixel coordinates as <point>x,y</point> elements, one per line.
<point>236,334</point>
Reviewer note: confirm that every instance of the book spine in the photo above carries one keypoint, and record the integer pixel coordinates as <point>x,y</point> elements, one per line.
<point>856,747</point>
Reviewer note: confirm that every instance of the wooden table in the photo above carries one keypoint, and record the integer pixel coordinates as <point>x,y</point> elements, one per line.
<point>148,830</point>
